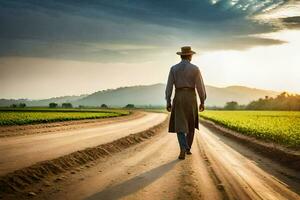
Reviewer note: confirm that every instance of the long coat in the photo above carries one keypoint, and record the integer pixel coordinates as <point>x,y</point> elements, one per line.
<point>186,77</point>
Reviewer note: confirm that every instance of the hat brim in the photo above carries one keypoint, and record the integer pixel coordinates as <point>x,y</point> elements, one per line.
<point>186,53</point>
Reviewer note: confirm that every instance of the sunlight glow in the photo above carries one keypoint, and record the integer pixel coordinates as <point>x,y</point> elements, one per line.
<point>272,67</point>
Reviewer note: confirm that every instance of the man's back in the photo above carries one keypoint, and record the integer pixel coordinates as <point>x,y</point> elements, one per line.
<point>184,74</point>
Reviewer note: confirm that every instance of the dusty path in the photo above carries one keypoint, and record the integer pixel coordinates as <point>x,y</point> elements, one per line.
<point>22,151</point>
<point>151,171</point>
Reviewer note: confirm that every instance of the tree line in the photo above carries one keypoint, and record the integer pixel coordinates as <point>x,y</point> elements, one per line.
<point>284,101</point>
<point>68,105</point>
<point>20,105</point>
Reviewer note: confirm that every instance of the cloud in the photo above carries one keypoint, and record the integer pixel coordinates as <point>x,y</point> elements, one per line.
<point>242,43</point>
<point>85,30</point>
<point>79,52</point>
<point>291,22</point>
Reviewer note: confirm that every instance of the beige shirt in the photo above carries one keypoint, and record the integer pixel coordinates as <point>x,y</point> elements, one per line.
<point>185,74</point>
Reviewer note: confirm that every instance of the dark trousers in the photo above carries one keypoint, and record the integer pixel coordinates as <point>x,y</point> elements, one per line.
<point>189,139</point>
<point>185,140</point>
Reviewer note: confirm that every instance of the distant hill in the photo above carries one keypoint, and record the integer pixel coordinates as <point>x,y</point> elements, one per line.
<point>150,95</point>
<point>243,95</point>
<point>154,95</point>
<point>137,95</point>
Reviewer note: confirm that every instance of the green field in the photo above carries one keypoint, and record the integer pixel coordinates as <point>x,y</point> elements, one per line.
<point>282,127</point>
<point>44,115</point>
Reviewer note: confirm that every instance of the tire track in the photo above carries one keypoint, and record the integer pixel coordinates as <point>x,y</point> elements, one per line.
<point>217,181</point>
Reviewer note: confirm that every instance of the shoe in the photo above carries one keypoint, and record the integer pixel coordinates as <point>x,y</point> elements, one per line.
<point>188,152</point>
<point>181,155</point>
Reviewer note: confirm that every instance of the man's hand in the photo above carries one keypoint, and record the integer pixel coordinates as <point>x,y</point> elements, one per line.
<point>169,107</point>
<point>201,107</point>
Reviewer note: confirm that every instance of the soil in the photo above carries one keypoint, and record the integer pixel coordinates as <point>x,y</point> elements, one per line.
<point>26,150</point>
<point>218,169</point>
<point>19,181</point>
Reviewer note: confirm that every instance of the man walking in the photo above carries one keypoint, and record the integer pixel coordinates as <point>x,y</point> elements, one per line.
<point>184,110</point>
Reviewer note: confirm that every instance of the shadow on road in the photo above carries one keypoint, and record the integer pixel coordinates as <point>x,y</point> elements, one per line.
<point>136,183</point>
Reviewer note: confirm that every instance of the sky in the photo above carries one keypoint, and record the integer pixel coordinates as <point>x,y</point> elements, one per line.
<point>54,48</point>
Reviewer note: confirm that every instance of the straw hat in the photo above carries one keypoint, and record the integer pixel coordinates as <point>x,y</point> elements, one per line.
<point>187,50</point>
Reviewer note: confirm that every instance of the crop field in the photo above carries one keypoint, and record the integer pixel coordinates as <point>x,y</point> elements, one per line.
<point>282,127</point>
<point>43,115</point>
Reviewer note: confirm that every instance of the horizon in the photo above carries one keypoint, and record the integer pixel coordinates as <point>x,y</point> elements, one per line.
<point>129,86</point>
<point>62,48</point>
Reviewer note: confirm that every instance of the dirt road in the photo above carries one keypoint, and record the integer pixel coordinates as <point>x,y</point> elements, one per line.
<point>21,151</point>
<point>218,169</point>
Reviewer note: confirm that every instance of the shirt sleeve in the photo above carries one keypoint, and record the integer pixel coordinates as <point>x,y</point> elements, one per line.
<point>169,87</point>
<point>200,87</point>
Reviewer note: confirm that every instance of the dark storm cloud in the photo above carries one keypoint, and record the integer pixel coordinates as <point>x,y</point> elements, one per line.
<point>291,22</point>
<point>242,43</point>
<point>84,30</point>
